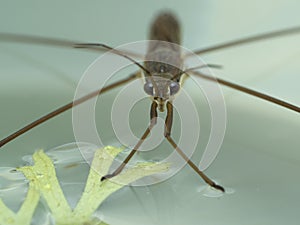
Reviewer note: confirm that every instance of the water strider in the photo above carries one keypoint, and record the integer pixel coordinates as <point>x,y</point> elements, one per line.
<point>162,81</point>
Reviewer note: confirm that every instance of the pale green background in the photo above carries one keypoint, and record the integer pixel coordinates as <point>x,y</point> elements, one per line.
<point>260,156</point>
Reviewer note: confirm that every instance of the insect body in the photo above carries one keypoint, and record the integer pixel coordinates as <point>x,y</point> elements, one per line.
<point>166,77</point>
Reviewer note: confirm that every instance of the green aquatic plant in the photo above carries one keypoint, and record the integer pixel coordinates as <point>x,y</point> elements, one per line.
<point>43,183</point>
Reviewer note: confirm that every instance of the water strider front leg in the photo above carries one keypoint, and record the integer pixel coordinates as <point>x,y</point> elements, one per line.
<point>153,121</point>
<point>168,127</point>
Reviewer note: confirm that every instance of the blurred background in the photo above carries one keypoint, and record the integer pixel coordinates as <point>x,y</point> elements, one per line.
<point>260,156</point>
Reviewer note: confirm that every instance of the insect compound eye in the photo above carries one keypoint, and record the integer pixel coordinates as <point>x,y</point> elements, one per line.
<point>148,88</point>
<point>174,87</point>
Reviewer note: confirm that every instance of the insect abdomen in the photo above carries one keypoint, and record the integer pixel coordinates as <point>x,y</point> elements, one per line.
<point>165,32</point>
<point>166,27</point>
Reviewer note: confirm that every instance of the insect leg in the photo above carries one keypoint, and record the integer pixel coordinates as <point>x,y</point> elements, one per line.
<point>168,127</point>
<point>56,42</point>
<point>65,108</point>
<point>242,41</point>
<point>248,91</point>
<point>153,121</point>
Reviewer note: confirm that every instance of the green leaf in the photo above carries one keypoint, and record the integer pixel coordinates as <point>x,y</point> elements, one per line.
<point>43,182</point>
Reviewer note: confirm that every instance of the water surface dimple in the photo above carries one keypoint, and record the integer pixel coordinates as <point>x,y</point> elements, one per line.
<point>13,187</point>
<point>10,178</point>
